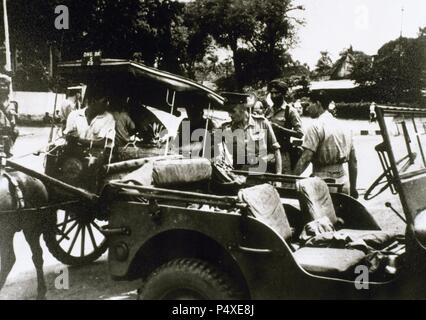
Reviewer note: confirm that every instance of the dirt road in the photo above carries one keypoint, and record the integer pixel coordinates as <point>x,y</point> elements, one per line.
<point>91,282</point>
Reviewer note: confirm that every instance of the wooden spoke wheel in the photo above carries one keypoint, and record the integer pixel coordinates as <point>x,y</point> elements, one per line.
<point>74,236</point>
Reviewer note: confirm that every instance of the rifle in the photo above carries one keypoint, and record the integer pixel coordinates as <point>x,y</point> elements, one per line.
<point>288,132</point>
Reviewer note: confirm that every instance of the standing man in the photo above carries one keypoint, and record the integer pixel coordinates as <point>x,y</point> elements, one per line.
<point>252,140</point>
<point>258,108</point>
<point>328,145</point>
<point>8,115</point>
<point>372,112</point>
<point>298,106</point>
<point>286,123</point>
<point>332,108</point>
<point>73,102</point>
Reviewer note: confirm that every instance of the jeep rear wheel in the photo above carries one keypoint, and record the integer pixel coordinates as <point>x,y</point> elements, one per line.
<point>189,279</point>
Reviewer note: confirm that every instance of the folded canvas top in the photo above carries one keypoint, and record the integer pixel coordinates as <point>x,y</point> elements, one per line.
<point>170,172</point>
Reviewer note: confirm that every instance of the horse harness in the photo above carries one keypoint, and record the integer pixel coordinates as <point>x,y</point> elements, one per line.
<point>17,196</point>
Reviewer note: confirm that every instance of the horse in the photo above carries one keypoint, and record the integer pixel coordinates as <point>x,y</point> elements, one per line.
<point>19,193</point>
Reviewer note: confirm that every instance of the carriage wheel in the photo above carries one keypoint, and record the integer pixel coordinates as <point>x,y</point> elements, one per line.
<point>74,237</point>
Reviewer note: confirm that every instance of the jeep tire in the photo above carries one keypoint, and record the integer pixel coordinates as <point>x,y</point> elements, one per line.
<point>189,279</point>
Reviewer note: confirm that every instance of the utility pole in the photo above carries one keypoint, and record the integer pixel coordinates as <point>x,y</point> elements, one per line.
<point>8,65</point>
<point>50,60</point>
<point>399,89</point>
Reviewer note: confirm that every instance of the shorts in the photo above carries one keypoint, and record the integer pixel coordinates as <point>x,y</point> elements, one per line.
<point>336,173</point>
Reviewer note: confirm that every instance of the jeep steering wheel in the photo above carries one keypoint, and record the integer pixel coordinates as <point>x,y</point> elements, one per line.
<point>383,177</point>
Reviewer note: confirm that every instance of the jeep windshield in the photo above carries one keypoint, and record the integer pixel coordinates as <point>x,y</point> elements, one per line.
<point>404,136</point>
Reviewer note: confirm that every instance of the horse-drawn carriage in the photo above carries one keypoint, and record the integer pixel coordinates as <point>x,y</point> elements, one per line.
<point>78,237</point>
<point>170,220</point>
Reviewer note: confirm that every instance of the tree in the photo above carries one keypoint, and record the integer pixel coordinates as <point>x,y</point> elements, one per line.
<point>172,35</point>
<point>30,30</point>
<point>362,69</point>
<point>324,66</point>
<point>349,60</point>
<point>258,32</point>
<point>398,71</point>
<point>157,32</point>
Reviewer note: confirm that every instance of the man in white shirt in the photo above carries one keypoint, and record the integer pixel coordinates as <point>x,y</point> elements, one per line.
<point>373,112</point>
<point>328,145</point>
<point>92,125</point>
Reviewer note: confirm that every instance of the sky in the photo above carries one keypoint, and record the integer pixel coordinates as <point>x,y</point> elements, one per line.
<point>332,25</point>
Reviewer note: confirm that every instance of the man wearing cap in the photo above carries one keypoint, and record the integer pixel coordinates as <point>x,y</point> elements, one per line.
<point>328,145</point>
<point>251,139</point>
<point>286,122</point>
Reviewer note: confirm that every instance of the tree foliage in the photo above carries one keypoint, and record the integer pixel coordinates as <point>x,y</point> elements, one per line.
<point>324,66</point>
<point>171,35</point>
<point>258,32</point>
<point>157,32</point>
<point>398,72</point>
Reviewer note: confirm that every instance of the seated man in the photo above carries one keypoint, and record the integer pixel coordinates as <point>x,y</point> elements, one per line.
<point>125,128</point>
<point>93,125</point>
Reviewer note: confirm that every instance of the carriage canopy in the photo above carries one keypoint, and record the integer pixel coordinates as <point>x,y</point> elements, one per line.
<point>146,85</point>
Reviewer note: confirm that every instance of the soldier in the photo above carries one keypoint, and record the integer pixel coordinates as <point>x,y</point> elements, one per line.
<point>8,115</point>
<point>328,145</point>
<point>286,123</point>
<point>251,139</point>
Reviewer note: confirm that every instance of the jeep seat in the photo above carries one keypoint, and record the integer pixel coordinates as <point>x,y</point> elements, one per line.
<point>265,204</point>
<point>328,261</point>
<point>315,202</point>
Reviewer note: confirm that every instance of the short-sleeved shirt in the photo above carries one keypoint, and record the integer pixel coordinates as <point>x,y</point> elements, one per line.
<point>102,126</point>
<point>67,107</point>
<point>329,140</point>
<point>277,115</point>
<point>7,116</point>
<point>252,143</point>
<point>124,128</point>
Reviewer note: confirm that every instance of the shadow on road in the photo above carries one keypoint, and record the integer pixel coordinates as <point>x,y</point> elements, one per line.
<point>91,282</point>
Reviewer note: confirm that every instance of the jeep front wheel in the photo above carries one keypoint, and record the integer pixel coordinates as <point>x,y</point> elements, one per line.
<point>189,279</point>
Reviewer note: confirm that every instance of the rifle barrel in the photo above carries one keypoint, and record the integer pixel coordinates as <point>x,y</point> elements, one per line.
<point>81,193</point>
<point>289,132</point>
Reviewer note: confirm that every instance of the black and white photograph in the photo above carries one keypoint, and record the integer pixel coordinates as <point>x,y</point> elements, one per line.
<point>212,150</point>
